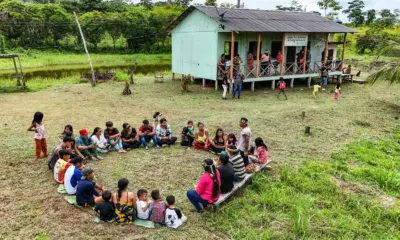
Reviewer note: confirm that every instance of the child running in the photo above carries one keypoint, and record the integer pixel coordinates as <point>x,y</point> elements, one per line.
<point>173,216</point>
<point>40,134</point>
<point>337,91</point>
<point>316,90</point>
<point>282,87</point>
<point>261,156</point>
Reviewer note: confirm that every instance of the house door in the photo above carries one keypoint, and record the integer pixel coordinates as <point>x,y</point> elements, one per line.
<point>290,57</point>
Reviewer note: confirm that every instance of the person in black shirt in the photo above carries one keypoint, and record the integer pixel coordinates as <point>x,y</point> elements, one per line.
<point>129,137</point>
<point>106,209</point>
<point>226,172</point>
<point>188,135</point>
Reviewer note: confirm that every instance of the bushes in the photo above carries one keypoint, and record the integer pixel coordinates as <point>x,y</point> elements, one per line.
<point>372,40</point>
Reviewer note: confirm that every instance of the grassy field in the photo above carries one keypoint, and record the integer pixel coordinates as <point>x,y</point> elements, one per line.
<point>339,182</point>
<point>52,60</point>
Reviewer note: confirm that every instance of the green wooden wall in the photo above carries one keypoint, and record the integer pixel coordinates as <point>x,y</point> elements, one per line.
<point>194,46</point>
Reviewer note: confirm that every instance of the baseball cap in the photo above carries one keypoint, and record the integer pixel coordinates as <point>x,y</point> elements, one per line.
<point>86,172</point>
<point>83,132</point>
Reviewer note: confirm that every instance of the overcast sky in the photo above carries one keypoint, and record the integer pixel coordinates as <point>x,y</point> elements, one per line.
<point>311,4</point>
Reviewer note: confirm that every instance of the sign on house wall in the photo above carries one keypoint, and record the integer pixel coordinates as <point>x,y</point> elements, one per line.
<point>296,39</point>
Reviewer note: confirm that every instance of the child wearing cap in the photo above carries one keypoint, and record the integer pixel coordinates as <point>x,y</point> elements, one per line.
<point>86,145</point>
<point>86,193</point>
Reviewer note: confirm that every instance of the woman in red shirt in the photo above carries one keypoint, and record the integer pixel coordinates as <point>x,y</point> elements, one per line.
<point>208,189</point>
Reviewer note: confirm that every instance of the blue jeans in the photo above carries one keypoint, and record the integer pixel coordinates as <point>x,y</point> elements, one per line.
<point>324,80</point>
<point>195,199</point>
<point>238,89</point>
<point>147,139</point>
<point>117,146</point>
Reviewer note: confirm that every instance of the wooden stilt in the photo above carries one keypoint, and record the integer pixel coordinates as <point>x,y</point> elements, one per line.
<point>204,83</point>
<point>216,85</point>
<point>273,85</point>
<point>291,83</point>
<point>173,76</point>
<point>283,53</point>
<point>343,51</point>
<point>258,55</point>
<point>309,82</point>
<point>252,86</point>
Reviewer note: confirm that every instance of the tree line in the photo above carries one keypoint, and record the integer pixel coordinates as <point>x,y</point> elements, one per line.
<point>48,24</point>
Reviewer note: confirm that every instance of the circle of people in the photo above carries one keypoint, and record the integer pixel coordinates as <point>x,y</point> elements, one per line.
<point>236,158</point>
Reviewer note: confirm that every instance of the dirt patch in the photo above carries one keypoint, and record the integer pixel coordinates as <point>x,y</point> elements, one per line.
<point>355,188</point>
<point>388,201</point>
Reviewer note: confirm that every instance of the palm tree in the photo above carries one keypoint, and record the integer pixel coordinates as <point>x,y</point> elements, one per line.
<point>389,73</point>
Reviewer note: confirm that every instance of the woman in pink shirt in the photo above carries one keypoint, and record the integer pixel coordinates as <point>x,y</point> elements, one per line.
<point>208,189</point>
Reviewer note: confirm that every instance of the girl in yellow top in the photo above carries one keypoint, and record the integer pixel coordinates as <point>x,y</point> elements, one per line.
<point>337,91</point>
<point>316,90</point>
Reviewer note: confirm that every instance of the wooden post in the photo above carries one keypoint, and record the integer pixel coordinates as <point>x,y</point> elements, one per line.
<point>204,83</point>
<point>305,59</point>
<point>326,49</point>
<point>232,57</point>
<point>87,52</point>
<point>173,76</point>
<point>252,86</point>
<point>258,55</point>
<point>343,50</point>
<point>283,53</point>
<point>216,85</point>
<point>292,83</point>
<point>273,85</point>
<point>22,73</point>
<point>16,72</point>
<point>309,82</point>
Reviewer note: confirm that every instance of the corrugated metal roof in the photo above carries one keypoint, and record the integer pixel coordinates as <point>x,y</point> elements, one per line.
<point>249,20</point>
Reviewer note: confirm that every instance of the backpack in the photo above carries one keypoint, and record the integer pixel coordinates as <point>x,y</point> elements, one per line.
<point>282,85</point>
<point>124,212</point>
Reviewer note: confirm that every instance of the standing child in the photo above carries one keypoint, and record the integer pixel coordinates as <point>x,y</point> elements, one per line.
<point>282,87</point>
<point>40,134</point>
<point>143,205</point>
<point>337,91</point>
<point>261,156</point>
<point>173,216</point>
<point>106,209</point>
<point>157,208</point>
<point>224,87</point>
<point>238,84</point>
<point>316,89</point>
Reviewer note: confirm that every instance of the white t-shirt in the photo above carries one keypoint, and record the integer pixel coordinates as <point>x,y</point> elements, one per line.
<point>140,214</point>
<point>99,142</point>
<point>67,180</point>
<point>245,132</point>
<point>172,219</point>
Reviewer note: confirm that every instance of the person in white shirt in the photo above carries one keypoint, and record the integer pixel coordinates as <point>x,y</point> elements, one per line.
<point>99,140</point>
<point>245,140</point>
<point>143,205</point>
<point>173,216</point>
<point>73,175</point>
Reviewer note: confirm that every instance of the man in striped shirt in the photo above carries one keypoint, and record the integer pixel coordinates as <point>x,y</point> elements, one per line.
<point>237,162</point>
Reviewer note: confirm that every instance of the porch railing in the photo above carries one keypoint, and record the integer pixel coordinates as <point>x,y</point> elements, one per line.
<point>274,69</point>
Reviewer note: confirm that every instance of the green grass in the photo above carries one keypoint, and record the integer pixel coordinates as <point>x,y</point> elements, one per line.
<point>37,84</point>
<point>53,60</point>
<point>323,199</point>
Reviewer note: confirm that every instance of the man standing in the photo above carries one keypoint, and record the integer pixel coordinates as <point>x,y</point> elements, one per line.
<point>245,140</point>
<point>146,134</point>
<point>86,145</point>
<point>238,84</point>
<point>86,194</point>
<point>164,134</point>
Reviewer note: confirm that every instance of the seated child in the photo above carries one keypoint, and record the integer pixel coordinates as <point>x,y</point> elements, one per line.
<point>143,205</point>
<point>261,156</point>
<point>157,208</point>
<point>173,216</point>
<point>106,209</point>
<point>68,132</point>
<point>231,142</point>
<point>188,134</point>
<point>61,166</point>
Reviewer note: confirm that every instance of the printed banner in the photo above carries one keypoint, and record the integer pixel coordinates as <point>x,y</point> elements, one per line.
<point>296,39</point>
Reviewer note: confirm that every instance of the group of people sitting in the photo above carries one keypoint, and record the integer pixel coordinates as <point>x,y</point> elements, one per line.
<point>236,157</point>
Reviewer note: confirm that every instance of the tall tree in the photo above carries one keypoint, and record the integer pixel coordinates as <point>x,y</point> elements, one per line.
<point>147,4</point>
<point>182,3</point>
<point>114,25</point>
<point>387,18</point>
<point>371,16</point>
<point>211,3</point>
<point>294,6</point>
<point>355,12</point>
<point>329,4</point>
<point>93,27</point>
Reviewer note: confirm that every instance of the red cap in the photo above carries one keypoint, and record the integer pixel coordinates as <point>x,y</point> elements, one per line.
<point>83,132</point>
